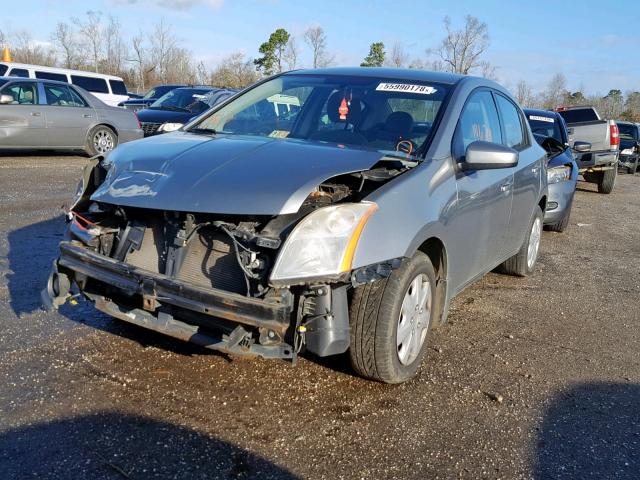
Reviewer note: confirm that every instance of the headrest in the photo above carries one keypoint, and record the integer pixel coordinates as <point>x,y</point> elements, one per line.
<point>333,106</point>
<point>400,123</point>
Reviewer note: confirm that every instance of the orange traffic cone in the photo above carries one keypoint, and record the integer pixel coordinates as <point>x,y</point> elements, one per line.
<point>6,56</point>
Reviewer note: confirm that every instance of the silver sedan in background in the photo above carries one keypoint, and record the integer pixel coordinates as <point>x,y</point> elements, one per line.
<point>44,114</point>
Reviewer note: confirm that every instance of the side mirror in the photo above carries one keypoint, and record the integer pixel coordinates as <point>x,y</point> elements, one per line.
<point>486,155</point>
<point>581,147</point>
<point>5,99</point>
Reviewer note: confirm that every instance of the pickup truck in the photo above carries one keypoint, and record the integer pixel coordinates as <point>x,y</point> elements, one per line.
<point>600,164</point>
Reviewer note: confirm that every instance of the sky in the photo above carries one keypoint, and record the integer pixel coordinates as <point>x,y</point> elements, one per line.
<point>593,43</point>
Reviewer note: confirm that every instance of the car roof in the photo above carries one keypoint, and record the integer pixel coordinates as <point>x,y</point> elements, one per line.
<point>34,80</point>
<point>538,111</point>
<point>382,72</point>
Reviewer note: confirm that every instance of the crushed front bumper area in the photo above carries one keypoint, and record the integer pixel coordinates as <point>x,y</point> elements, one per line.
<point>159,295</point>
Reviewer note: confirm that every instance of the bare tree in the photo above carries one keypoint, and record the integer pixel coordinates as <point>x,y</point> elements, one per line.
<point>555,92</point>
<point>26,50</point>
<point>66,41</point>
<point>234,71</point>
<point>139,58</point>
<point>461,50</point>
<point>91,31</point>
<point>397,57</point>
<point>163,46</point>
<point>524,94</point>
<point>316,39</point>
<point>115,49</point>
<point>291,53</point>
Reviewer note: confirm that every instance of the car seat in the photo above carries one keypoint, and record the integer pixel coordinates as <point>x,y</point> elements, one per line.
<point>340,133</point>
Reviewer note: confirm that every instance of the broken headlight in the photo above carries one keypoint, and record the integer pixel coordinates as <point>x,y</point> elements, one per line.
<point>323,243</point>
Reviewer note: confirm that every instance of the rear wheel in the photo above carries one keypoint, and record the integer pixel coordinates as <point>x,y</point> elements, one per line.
<point>607,180</point>
<point>523,262</point>
<point>101,140</point>
<point>390,320</point>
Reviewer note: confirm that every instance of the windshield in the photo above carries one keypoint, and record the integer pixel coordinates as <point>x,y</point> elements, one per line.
<point>183,99</point>
<point>545,126</point>
<point>150,94</point>
<point>347,110</point>
<point>628,132</point>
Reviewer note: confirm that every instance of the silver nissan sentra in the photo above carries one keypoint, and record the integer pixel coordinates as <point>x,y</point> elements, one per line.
<point>328,211</point>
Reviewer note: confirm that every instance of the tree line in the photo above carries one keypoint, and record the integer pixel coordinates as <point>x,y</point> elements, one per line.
<point>156,55</point>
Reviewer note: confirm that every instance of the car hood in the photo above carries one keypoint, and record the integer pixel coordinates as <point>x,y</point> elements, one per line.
<point>225,174</point>
<point>563,158</point>
<point>162,116</point>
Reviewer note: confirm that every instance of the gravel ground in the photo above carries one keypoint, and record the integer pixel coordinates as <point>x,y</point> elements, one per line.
<point>531,378</point>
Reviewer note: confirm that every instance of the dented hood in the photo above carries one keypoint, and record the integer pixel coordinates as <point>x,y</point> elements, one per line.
<point>224,174</point>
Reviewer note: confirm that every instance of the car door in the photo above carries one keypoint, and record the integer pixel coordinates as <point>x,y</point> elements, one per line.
<point>21,120</point>
<point>68,116</point>
<point>526,176</point>
<point>484,196</point>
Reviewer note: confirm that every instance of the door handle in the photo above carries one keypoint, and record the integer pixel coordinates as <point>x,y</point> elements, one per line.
<point>36,114</point>
<point>86,115</point>
<point>505,187</point>
<point>535,169</point>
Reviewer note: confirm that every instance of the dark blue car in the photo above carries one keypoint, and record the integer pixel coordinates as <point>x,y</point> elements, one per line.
<point>179,106</point>
<point>143,101</point>
<point>550,130</point>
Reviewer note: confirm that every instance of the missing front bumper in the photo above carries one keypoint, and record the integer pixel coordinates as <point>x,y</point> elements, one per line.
<point>158,290</point>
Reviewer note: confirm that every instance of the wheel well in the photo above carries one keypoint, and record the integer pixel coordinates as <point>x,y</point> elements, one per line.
<point>106,125</point>
<point>543,204</point>
<point>435,250</point>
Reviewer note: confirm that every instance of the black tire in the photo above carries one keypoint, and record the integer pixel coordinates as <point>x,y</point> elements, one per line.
<point>518,265</point>
<point>607,180</point>
<point>93,147</point>
<point>374,316</point>
<point>560,226</point>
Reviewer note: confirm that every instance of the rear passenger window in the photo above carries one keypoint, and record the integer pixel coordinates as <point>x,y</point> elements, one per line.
<point>60,77</point>
<point>92,84</point>
<point>118,87</point>
<point>512,123</point>
<point>62,96</point>
<point>3,70</point>
<point>478,122</point>
<point>19,72</point>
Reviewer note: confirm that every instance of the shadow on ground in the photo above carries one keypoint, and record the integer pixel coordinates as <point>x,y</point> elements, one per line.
<point>32,250</point>
<point>117,446</point>
<point>591,431</point>
<point>41,153</point>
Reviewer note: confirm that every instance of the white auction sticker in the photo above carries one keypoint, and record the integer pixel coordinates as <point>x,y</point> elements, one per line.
<point>541,119</point>
<point>406,87</point>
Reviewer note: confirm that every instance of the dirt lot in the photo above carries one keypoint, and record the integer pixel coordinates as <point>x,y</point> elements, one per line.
<point>84,396</point>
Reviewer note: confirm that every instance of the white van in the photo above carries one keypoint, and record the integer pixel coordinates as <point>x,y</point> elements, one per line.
<point>108,88</point>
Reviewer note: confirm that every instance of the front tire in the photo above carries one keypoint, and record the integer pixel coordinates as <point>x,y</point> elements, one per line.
<point>523,263</point>
<point>101,140</point>
<point>390,320</point>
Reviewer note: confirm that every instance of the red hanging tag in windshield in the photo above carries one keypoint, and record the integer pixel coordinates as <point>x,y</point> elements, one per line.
<point>343,110</point>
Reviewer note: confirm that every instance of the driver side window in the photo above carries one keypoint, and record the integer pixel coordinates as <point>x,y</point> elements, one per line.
<point>22,93</point>
<point>478,122</point>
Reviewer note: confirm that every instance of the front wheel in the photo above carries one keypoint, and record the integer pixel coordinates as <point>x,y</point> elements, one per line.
<point>523,262</point>
<point>101,140</point>
<point>390,320</point>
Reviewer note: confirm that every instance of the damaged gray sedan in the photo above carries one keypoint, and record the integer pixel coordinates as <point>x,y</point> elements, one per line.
<point>331,211</point>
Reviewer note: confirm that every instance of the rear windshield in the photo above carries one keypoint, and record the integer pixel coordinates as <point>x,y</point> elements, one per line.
<point>579,115</point>
<point>3,69</point>
<point>628,132</point>
<point>91,84</point>
<point>376,113</point>
<point>545,125</point>
<point>118,87</point>
<point>60,77</point>
<point>183,100</point>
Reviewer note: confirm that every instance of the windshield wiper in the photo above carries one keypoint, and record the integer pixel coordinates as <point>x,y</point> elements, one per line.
<point>204,131</point>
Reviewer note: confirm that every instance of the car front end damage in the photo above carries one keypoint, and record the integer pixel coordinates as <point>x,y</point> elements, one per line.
<point>242,284</point>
